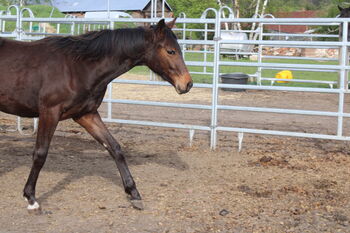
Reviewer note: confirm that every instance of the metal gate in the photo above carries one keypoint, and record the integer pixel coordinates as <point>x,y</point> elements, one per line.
<point>213,63</point>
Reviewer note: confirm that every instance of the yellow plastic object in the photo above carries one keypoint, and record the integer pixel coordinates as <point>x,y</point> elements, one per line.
<point>285,74</point>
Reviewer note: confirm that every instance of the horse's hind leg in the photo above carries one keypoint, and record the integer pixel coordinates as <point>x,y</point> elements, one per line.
<point>93,124</point>
<point>48,121</point>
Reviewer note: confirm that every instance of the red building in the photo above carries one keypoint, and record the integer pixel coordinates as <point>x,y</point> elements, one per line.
<point>292,29</point>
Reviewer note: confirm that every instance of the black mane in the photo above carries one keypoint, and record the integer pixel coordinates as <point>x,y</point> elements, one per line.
<point>126,42</point>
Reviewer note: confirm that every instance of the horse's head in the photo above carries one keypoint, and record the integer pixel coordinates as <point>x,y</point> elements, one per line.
<point>164,57</point>
<point>344,12</point>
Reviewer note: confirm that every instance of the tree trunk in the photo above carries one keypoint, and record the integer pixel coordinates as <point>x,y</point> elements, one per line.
<point>235,7</point>
<point>251,34</point>
<point>264,7</point>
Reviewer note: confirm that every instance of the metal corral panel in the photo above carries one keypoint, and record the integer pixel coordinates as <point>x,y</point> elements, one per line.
<point>91,5</point>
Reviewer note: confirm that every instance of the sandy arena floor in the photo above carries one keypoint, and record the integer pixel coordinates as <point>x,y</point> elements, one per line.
<point>275,184</point>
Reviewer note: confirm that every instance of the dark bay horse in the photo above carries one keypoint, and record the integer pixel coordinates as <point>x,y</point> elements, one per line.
<point>58,78</point>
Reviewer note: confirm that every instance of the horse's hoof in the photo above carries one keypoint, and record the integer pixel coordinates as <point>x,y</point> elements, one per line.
<point>34,209</point>
<point>137,204</point>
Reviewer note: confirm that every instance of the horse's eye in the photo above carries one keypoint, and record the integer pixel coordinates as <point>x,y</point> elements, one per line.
<point>171,52</point>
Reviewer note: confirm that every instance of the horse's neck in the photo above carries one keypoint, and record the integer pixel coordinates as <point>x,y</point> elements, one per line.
<point>109,69</point>
<point>120,62</point>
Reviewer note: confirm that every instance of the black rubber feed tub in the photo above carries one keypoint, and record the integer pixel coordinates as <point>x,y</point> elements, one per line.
<point>234,78</point>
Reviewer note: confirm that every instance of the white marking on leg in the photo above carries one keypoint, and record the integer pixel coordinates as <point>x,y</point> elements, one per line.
<point>104,144</point>
<point>35,206</point>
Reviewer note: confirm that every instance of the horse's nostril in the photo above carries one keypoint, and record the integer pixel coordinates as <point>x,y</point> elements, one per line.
<point>189,86</point>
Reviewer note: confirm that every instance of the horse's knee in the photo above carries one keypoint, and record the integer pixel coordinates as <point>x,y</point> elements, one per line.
<point>117,153</point>
<point>39,156</point>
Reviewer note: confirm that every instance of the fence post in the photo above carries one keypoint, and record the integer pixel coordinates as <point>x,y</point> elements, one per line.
<point>183,15</point>
<point>260,54</point>
<point>110,85</point>
<point>343,79</point>
<point>343,51</point>
<point>72,28</point>
<point>214,110</point>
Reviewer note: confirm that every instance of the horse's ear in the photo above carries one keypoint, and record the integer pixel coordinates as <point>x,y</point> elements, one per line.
<point>171,23</point>
<point>160,27</point>
<point>161,24</point>
<point>340,9</point>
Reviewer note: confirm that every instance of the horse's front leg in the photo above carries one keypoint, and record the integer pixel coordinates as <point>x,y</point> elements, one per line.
<point>92,122</point>
<point>48,120</point>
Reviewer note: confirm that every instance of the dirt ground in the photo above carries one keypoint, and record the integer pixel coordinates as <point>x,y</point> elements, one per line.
<point>275,184</point>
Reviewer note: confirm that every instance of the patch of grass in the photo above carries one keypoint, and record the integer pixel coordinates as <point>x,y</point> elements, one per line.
<point>43,11</point>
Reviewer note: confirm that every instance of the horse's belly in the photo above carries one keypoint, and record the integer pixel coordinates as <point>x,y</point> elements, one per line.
<point>12,105</point>
<point>19,111</point>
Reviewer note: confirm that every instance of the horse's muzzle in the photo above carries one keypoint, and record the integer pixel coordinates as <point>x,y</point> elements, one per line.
<point>186,88</point>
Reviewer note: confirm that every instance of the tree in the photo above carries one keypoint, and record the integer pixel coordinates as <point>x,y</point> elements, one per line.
<point>192,8</point>
<point>4,3</point>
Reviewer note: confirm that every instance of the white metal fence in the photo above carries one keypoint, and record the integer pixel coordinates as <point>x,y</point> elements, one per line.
<point>212,63</point>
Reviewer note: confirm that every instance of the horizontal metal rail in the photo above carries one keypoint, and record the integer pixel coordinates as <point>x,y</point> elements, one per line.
<point>282,133</point>
<point>204,73</point>
<point>157,124</point>
<point>303,21</point>
<point>157,83</point>
<point>158,104</point>
<point>282,111</point>
<point>299,69</point>
<point>280,88</point>
<point>227,107</point>
<point>299,80</point>
<point>284,65</point>
<point>300,58</point>
<point>7,35</point>
<point>224,52</point>
<point>286,43</point>
<point>301,35</point>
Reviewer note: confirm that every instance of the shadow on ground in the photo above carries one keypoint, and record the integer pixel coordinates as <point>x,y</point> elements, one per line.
<point>78,157</point>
